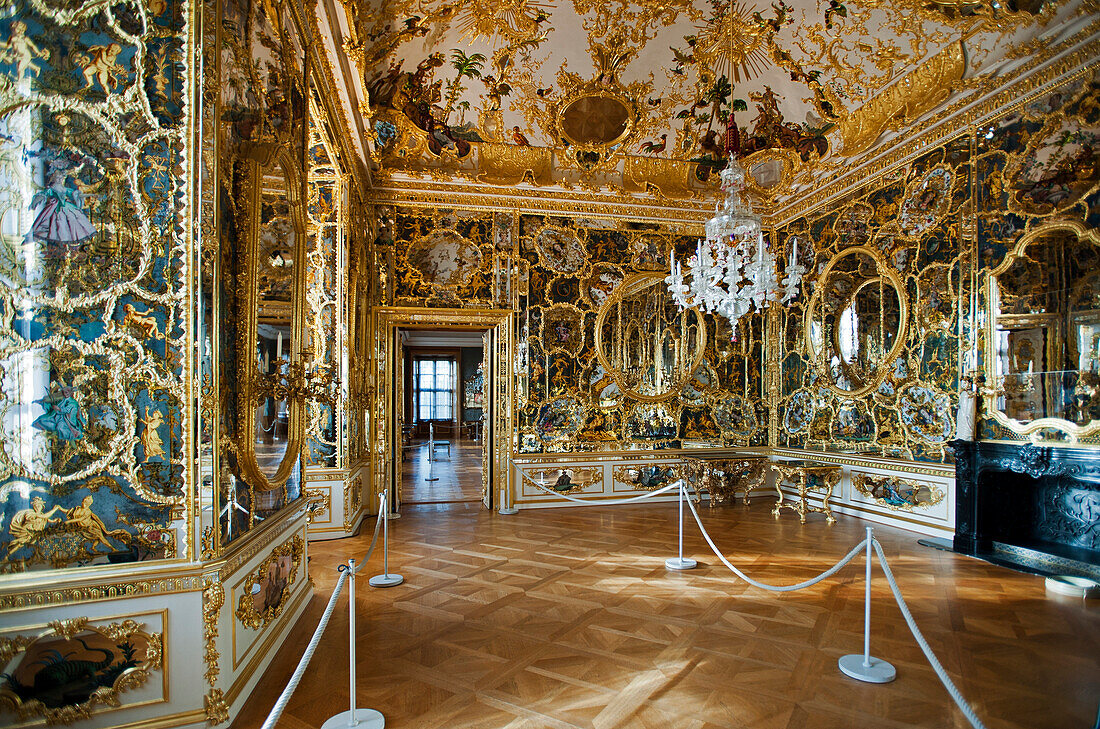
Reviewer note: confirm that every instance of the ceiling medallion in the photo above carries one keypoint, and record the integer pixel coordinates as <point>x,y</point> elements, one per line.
<point>732,272</point>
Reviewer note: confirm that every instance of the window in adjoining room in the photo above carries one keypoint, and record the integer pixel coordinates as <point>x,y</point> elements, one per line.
<point>434,388</point>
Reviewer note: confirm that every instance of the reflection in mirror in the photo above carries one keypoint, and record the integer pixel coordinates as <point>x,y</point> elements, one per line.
<point>1046,339</point>
<point>857,318</point>
<point>645,342</point>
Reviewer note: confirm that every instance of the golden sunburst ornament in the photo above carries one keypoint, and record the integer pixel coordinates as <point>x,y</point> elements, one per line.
<point>734,45</point>
<point>513,21</point>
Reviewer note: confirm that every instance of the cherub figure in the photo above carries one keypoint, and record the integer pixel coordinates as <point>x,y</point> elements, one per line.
<point>101,65</point>
<point>145,323</point>
<point>22,51</point>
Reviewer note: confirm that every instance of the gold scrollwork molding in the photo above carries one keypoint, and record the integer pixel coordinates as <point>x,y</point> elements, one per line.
<point>115,658</point>
<point>270,584</point>
<point>510,164</point>
<point>39,598</point>
<point>318,501</point>
<point>213,598</point>
<point>217,709</point>
<point>647,477</point>
<point>897,494</point>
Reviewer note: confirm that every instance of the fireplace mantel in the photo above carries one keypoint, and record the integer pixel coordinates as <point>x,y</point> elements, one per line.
<point>1022,499</point>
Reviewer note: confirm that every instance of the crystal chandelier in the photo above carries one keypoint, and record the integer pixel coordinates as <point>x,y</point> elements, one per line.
<point>732,271</point>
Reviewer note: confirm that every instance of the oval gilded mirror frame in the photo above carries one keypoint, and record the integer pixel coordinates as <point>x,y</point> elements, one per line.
<point>884,272</point>
<point>256,386</point>
<point>1033,428</point>
<point>632,285</point>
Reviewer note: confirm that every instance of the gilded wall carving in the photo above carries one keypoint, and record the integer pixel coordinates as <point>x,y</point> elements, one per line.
<point>869,356</point>
<point>562,272</point>
<point>76,668</point>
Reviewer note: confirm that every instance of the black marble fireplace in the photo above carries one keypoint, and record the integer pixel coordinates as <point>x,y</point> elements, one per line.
<point>1030,507</point>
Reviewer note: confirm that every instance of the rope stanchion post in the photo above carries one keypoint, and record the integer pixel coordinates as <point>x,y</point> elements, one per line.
<point>385,579</point>
<point>431,451</point>
<point>354,717</point>
<point>865,667</point>
<point>679,563</point>
<point>506,507</point>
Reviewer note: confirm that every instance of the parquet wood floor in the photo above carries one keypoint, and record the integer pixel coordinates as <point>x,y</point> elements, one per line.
<point>565,618</point>
<point>459,475</point>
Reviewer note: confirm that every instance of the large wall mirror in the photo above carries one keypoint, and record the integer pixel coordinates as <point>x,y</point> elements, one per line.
<point>648,345</point>
<point>271,436</point>
<point>1043,342</point>
<point>857,321</point>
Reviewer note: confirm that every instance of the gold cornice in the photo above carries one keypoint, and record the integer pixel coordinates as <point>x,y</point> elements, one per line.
<point>533,200</point>
<point>271,530</point>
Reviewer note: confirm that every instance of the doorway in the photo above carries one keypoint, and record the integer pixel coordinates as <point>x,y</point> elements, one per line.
<point>496,430</point>
<point>442,415</point>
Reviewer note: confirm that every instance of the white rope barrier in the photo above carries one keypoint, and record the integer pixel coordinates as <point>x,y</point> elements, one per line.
<point>311,648</point>
<point>292,684</point>
<point>616,502</point>
<point>944,678</point>
<point>762,585</point>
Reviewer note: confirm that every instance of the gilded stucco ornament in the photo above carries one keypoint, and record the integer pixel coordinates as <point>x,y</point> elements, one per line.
<point>38,680</point>
<point>265,593</point>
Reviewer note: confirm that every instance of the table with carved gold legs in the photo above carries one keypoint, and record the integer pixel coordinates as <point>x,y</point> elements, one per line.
<point>723,477</point>
<point>800,473</point>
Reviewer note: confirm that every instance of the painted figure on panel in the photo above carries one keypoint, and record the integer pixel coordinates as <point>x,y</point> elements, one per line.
<point>65,672</point>
<point>62,218</point>
<point>83,520</point>
<point>22,51</point>
<point>29,525</point>
<point>151,441</point>
<point>63,416</point>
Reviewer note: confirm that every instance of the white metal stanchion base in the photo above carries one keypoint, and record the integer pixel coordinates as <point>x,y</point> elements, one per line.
<point>393,515</point>
<point>878,672</point>
<point>508,510</point>
<point>680,563</point>
<point>385,580</point>
<point>367,718</point>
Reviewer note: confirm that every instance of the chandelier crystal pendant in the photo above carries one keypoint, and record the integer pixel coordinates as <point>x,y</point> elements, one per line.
<point>732,271</point>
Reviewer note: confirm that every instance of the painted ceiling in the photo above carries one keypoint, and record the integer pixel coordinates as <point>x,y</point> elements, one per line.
<point>647,98</point>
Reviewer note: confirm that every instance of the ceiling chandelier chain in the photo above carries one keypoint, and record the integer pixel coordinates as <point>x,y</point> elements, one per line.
<point>732,271</point>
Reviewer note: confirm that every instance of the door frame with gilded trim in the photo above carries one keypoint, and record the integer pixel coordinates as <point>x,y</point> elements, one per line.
<point>498,419</point>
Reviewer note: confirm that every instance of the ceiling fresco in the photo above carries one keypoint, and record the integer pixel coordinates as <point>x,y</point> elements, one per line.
<point>647,98</point>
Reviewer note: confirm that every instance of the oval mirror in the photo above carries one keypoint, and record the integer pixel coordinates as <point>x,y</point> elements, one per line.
<point>1045,340</point>
<point>595,120</point>
<point>857,319</point>
<point>648,345</point>
<point>272,433</point>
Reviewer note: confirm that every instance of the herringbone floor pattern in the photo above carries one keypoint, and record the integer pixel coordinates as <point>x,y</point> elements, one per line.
<point>567,618</point>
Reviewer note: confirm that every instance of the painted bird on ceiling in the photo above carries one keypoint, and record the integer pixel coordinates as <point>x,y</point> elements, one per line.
<point>654,147</point>
<point>518,138</point>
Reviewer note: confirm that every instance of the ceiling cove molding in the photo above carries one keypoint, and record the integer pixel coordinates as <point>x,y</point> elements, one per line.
<point>960,118</point>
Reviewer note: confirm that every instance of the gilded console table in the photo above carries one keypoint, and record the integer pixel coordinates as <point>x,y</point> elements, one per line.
<point>723,477</point>
<point>800,473</point>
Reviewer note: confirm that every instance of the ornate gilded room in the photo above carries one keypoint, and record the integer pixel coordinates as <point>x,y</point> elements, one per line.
<point>697,363</point>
